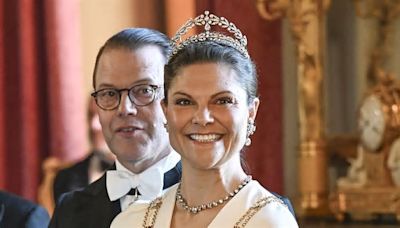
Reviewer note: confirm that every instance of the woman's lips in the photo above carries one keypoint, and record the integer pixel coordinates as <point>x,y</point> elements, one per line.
<point>205,138</point>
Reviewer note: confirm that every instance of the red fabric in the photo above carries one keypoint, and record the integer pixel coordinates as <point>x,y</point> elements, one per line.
<point>27,99</point>
<point>36,112</point>
<point>2,97</point>
<point>65,81</point>
<point>265,154</point>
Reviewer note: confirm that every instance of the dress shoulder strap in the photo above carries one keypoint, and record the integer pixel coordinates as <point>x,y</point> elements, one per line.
<point>151,213</point>
<point>255,208</point>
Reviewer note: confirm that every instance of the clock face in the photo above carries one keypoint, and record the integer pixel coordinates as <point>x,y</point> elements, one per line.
<point>371,123</point>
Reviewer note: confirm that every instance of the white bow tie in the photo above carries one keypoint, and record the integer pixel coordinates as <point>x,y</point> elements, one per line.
<point>149,183</point>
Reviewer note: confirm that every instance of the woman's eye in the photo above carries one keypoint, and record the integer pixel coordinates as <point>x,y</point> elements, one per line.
<point>225,100</point>
<point>183,102</point>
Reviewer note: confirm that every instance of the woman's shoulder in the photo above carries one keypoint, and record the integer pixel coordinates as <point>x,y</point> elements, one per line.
<point>266,208</point>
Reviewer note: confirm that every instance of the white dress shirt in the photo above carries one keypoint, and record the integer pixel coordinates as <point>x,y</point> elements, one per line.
<point>149,182</point>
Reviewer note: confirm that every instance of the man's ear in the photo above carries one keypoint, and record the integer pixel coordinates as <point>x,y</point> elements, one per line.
<point>253,108</point>
<point>164,106</point>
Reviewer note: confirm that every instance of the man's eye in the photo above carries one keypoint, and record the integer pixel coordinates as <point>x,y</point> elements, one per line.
<point>225,100</point>
<point>144,91</point>
<point>108,93</point>
<point>183,102</point>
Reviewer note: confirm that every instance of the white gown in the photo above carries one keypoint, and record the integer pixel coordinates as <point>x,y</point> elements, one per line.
<point>272,215</point>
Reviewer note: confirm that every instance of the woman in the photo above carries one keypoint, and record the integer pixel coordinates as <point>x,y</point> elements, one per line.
<point>210,105</point>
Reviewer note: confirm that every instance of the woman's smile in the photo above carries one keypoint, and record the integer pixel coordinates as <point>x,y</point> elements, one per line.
<point>205,138</point>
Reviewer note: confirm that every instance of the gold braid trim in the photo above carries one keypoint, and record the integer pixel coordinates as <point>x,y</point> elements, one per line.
<point>255,208</point>
<point>151,213</point>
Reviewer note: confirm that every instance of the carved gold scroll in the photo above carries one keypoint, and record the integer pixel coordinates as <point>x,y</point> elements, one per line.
<point>385,12</point>
<point>306,19</point>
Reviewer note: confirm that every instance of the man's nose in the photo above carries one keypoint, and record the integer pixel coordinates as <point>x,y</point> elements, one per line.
<point>126,106</point>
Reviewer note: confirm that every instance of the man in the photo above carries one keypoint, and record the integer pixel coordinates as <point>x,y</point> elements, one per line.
<point>128,81</point>
<point>19,212</point>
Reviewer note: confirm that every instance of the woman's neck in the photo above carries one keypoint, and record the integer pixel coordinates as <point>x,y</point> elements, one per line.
<point>204,186</point>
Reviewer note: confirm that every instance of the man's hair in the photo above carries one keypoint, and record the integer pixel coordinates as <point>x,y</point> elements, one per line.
<point>133,39</point>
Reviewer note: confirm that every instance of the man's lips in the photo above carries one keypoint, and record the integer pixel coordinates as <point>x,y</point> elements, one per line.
<point>127,129</point>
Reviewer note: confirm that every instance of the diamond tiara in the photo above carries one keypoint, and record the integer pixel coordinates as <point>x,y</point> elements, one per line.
<point>237,41</point>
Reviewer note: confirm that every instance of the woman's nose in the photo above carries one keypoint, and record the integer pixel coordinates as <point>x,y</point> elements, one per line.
<point>202,116</point>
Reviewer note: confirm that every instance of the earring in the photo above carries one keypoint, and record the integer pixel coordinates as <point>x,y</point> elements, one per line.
<point>251,128</point>
<point>166,126</point>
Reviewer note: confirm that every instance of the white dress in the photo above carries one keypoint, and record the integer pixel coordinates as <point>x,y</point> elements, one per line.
<point>273,215</point>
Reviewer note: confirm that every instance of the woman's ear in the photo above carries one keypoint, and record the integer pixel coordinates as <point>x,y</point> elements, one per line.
<point>253,108</point>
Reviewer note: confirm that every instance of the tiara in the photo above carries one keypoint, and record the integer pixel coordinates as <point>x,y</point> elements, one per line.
<point>237,41</point>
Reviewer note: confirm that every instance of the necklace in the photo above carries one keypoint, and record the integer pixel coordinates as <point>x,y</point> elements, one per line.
<point>153,208</point>
<point>196,209</point>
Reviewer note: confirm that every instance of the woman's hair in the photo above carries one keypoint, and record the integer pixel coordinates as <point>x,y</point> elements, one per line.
<point>213,52</point>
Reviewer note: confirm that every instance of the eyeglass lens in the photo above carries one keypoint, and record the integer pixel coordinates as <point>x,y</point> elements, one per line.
<point>140,95</point>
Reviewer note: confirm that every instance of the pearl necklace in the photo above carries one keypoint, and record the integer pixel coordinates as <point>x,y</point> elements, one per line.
<point>196,209</point>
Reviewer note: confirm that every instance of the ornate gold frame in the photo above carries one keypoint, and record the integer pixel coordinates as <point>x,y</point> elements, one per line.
<point>307,24</point>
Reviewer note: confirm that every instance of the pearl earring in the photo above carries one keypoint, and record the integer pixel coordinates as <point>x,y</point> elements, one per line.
<point>251,128</point>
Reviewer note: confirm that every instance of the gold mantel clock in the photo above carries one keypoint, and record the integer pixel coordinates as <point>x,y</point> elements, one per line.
<point>372,185</point>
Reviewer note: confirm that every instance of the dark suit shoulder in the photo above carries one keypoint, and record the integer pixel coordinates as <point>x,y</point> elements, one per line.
<point>88,207</point>
<point>79,167</point>
<point>72,178</point>
<point>80,196</point>
<point>37,218</point>
<point>19,212</point>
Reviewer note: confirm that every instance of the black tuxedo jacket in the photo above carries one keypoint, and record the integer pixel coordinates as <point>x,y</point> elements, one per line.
<point>17,212</point>
<point>91,206</point>
<point>72,178</point>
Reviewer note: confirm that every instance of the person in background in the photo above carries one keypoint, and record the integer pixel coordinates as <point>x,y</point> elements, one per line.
<point>93,166</point>
<point>210,103</point>
<point>128,81</point>
<point>17,212</point>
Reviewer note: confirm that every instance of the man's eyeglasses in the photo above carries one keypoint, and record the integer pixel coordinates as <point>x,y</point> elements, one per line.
<point>140,95</point>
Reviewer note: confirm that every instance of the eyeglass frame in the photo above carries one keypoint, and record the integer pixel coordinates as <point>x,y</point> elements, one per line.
<point>119,91</point>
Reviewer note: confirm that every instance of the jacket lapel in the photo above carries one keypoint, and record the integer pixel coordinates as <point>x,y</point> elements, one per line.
<point>173,176</point>
<point>100,207</point>
<point>2,209</point>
